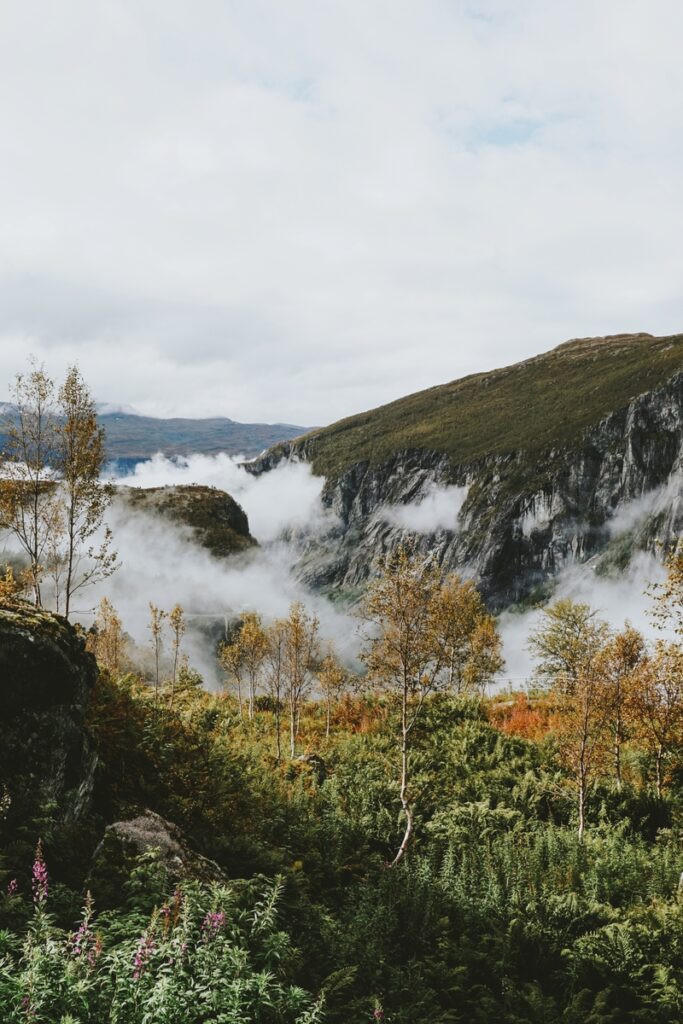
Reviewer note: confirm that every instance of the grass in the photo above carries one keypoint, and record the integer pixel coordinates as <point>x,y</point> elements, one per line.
<point>540,404</point>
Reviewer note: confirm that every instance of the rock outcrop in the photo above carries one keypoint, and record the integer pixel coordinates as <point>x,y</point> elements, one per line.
<point>47,757</point>
<point>148,833</point>
<point>217,521</point>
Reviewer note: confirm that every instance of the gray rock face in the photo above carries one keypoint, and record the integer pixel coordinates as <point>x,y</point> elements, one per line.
<point>47,757</point>
<point>524,518</point>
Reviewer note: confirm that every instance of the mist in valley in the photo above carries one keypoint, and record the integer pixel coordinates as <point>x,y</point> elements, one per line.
<point>162,562</point>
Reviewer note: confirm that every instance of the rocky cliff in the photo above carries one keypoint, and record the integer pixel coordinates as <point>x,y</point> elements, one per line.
<point>584,462</point>
<point>47,758</point>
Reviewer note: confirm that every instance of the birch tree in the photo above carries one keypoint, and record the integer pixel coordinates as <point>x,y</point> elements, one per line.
<point>52,499</point>
<point>618,663</point>
<point>253,641</point>
<point>29,509</point>
<point>231,657</point>
<point>84,498</point>
<point>274,677</point>
<point>106,639</point>
<point>658,701</point>
<point>156,628</point>
<point>176,621</point>
<point>568,644</point>
<point>333,681</point>
<point>470,646</point>
<point>300,655</point>
<point>404,652</point>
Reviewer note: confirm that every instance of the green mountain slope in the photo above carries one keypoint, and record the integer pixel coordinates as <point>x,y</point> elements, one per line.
<point>541,403</point>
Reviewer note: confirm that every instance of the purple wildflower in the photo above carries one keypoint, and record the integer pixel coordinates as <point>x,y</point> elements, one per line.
<point>143,954</point>
<point>212,924</point>
<point>84,942</point>
<point>13,887</point>
<point>40,877</point>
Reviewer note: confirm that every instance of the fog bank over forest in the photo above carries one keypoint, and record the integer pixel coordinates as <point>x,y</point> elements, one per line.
<point>284,509</point>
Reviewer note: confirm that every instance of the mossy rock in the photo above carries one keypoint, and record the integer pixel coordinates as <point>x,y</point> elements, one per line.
<point>146,836</point>
<point>47,756</point>
<point>218,522</point>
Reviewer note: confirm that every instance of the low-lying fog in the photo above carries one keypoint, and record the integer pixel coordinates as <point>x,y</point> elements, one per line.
<point>160,562</point>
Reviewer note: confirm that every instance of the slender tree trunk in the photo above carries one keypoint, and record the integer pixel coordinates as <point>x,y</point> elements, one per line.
<point>617,758</point>
<point>327,725</point>
<point>618,738</point>
<point>405,803</point>
<point>278,738</point>
<point>658,768</point>
<point>34,552</point>
<point>174,677</point>
<point>70,559</point>
<point>582,804</point>
<point>251,698</point>
<point>292,727</point>
<point>239,695</point>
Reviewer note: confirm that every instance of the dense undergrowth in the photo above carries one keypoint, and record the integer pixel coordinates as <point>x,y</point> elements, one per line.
<point>498,913</point>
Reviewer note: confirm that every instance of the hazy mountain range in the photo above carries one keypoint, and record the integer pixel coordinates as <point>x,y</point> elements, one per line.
<point>131,437</point>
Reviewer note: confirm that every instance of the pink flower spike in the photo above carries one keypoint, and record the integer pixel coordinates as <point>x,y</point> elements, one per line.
<point>40,882</point>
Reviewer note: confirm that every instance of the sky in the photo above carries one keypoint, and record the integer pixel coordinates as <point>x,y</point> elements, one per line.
<point>296,211</point>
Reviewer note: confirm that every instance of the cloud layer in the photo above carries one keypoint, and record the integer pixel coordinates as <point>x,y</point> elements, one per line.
<point>296,211</point>
<point>286,498</point>
<point>437,509</point>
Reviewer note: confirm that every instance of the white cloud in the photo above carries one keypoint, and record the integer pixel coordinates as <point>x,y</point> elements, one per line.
<point>286,498</point>
<point>665,499</point>
<point>437,509</point>
<point>292,212</point>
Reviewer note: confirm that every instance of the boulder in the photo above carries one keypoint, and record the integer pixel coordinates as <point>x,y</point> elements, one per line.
<point>47,756</point>
<point>125,841</point>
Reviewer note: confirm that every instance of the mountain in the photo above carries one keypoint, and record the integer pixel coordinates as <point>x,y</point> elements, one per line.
<point>131,438</point>
<point>541,461</point>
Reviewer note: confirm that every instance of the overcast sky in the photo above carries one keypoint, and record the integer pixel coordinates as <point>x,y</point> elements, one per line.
<point>295,211</point>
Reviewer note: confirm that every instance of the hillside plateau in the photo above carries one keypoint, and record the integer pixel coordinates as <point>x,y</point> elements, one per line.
<point>131,438</point>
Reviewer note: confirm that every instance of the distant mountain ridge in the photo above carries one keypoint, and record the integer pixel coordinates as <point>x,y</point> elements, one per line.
<point>131,438</point>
